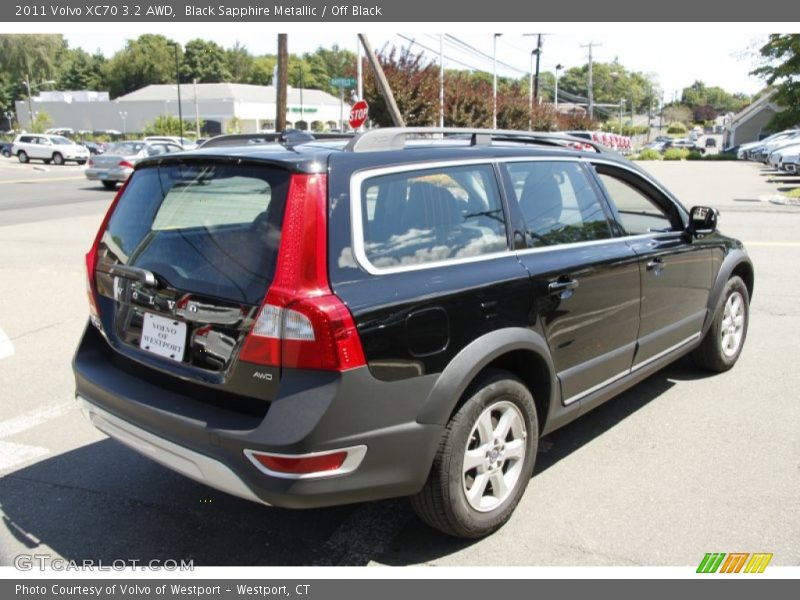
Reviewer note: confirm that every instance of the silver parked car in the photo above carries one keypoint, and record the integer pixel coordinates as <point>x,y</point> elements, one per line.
<point>116,164</point>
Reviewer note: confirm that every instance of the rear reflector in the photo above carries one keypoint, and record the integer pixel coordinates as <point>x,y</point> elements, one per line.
<point>302,466</point>
<point>302,323</point>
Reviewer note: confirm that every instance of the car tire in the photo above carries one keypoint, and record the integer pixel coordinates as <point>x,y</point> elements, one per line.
<point>22,156</point>
<point>58,159</point>
<point>723,342</point>
<point>109,185</point>
<point>496,429</point>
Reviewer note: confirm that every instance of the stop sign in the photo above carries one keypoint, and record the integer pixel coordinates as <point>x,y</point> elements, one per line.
<point>358,114</point>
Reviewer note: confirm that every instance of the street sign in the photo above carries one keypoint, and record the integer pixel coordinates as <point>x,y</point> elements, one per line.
<point>358,114</point>
<point>343,82</point>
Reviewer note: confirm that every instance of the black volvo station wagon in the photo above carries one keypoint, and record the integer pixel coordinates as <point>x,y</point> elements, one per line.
<point>310,322</point>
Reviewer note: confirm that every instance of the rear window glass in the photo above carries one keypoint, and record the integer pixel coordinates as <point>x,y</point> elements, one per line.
<point>419,217</point>
<point>125,149</point>
<point>210,229</point>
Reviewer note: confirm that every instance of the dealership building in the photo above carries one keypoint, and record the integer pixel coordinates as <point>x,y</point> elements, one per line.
<point>252,107</point>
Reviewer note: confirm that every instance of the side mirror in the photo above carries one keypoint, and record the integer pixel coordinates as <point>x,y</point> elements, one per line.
<point>702,221</point>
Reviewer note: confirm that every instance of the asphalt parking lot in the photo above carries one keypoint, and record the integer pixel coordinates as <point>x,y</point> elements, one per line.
<point>681,465</point>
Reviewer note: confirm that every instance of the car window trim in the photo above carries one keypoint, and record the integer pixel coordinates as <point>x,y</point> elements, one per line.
<point>679,209</point>
<point>357,219</point>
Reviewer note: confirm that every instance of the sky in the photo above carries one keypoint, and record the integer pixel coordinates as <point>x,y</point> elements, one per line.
<point>676,53</point>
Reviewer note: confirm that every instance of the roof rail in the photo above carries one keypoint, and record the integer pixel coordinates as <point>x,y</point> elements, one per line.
<point>289,137</point>
<point>394,138</point>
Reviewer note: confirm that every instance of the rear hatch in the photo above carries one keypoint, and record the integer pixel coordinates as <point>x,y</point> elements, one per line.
<point>184,264</point>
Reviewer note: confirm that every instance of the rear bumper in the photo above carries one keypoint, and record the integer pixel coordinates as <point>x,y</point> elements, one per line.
<point>97,174</point>
<point>313,412</point>
<point>187,462</point>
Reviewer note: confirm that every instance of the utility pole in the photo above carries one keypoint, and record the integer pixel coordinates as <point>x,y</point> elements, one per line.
<point>178,82</point>
<point>494,82</point>
<point>558,68</point>
<point>30,103</point>
<point>302,116</point>
<point>383,84</point>
<point>536,77</point>
<point>590,94</point>
<point>196,111</point>
<point>280,91</point>
<point>360,74</point>
<point>441,82</point>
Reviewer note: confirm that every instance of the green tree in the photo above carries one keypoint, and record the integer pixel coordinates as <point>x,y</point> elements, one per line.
<point>611,82</point>
<point>415,84</point>
<point>149,59</point>
<point>41,121</point>
<point>240,63</point>
<point>234,125</point>
<point>698,94</point>
<point>263,68</point>
<point>81,71</point>
<point>31,55</point>
<point>205,61</point>
<point>781,54</point>
<point>167,125</point>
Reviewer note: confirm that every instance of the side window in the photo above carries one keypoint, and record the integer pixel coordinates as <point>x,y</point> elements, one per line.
<point>558,203</point>
<point>638,213</point>
<point>25,139</point>
<point>425,216</point>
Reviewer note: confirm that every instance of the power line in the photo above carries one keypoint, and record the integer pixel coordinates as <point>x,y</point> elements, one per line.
<point>574,98</point>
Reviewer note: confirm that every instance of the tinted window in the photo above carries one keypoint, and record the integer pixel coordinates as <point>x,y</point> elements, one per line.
<point>638,213</point>
<point>208,229</point>
<point>558,203</point>
<point>424,216</point>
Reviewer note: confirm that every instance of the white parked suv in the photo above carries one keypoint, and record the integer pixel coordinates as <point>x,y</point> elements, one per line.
<point>49,148</point>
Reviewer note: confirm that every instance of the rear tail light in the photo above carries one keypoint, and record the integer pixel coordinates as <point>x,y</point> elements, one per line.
<point>125,164</point>
<point>91,263</point>
<point>90,163</point>
<point>303,466</point>
<point>302,323</point>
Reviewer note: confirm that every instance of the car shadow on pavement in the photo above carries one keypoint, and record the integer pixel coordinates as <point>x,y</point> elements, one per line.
<point>104,502</point>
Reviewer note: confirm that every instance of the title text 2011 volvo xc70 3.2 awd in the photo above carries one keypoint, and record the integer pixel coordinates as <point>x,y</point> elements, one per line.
<point>403,313</point>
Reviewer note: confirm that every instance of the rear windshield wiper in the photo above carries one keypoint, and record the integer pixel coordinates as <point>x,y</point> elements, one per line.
<point>135,273</point>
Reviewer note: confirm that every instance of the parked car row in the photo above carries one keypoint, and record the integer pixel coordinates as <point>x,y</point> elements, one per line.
<point>619,143</point>
<point>664,143</point>
<point>771,150</point>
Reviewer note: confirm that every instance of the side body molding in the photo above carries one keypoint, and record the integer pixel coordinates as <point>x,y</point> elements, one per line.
<point>455,379</point>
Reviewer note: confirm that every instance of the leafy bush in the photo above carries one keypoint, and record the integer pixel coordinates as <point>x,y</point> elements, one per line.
<point>694,155</point>
<point>649,154</point>
<point>676,128</point>
<point>676,154</point>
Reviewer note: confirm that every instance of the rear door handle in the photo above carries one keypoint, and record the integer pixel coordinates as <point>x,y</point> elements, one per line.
<point>562,285</point>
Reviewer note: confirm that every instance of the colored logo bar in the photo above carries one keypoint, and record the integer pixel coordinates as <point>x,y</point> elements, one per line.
<point>734,562</point>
